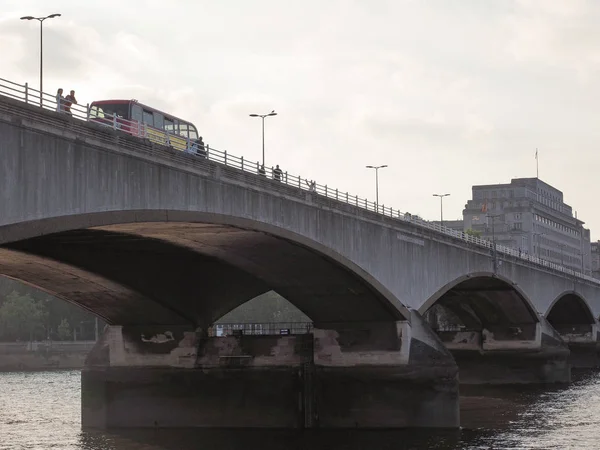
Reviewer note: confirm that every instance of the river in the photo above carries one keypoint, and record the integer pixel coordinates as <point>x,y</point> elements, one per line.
<point>41,410</point>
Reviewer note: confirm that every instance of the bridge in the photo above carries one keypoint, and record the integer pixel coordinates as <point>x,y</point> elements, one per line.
<point>161,243</point>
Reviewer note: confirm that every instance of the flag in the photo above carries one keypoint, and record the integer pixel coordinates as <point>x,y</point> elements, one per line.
<point>536,154</point>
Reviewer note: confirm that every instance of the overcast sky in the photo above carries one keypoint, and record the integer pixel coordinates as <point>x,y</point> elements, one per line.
<point>448,93</point>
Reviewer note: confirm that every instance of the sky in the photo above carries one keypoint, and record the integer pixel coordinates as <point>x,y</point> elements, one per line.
<point>447,93</point>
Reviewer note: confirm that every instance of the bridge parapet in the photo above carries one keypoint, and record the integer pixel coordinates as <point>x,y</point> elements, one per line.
<point>19,100</point>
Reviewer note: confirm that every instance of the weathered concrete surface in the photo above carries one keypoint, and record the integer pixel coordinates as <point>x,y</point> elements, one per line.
<point>384,376</point>
<point>80,176</point>
<point>360,375</point>
<point>502,354</point>
<point>544,360</point>
<point>175,377</point>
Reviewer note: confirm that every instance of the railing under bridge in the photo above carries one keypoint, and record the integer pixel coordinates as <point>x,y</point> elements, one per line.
<point>260,329</point>
<point>26,94</point>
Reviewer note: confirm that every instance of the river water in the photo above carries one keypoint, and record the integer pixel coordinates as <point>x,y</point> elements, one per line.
<point>41,410</point>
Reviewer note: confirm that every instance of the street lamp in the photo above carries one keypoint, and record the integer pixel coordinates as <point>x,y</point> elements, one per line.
<point>262,116</point>
<point>441,196</point>
<point>493,216</point>
<point>41,20</point>
<point>377,182</point>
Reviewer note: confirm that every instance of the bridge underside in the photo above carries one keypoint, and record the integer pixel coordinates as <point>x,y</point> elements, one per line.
<point>574,321</point>
<point>369,363</point>
<point>496,336</point>
<point>189,273</point>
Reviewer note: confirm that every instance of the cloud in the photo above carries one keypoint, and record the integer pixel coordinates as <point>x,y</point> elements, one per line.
<point>448,94</point>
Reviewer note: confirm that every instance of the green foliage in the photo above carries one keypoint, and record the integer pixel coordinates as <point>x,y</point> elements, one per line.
<point>55,311</point>
<point>64,330</point>
<point>266,308</point>
<point>22,317</point>
<point>474,233</point>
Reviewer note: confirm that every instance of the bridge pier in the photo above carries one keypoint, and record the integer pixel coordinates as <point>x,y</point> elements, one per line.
<point>583,343</point>
<point>526,354</point>
<point>360,375</point>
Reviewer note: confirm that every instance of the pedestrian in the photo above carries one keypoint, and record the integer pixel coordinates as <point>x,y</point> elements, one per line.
<point>70,100</point>
<point>261,171</point>
<point>200,149</point>
<point>60,100</point>
<point>277,173</point>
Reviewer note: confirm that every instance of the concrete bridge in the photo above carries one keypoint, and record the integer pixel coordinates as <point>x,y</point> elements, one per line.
<point>161,244</point>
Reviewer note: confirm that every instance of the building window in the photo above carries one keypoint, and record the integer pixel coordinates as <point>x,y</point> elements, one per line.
<point>518,225</point>
<point>518,216</point>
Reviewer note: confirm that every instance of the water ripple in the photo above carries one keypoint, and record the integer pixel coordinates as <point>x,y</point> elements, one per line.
<point>41,410</point>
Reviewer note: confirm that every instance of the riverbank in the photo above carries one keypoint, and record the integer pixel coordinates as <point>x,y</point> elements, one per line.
<point>46,355</point>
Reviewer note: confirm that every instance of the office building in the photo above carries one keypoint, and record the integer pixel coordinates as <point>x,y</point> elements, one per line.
<point>595,251</point>
<point>530,215</point>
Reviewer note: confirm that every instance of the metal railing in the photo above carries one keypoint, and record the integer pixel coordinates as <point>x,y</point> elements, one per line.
<point>260,329</point>
<point>23,92</point>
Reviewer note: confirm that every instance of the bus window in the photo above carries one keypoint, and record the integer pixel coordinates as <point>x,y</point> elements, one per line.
<point>107,110</point>
<point>183,130</point>
<point>136,113</point>
<point>158,120</point>
<point>169,126</point>
<point>148,118</point>
<point>193,133</point>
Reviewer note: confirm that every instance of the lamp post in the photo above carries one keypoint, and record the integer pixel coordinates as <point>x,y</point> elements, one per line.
<point>493,216</point>
<point>262,116</point>
<point>41,20</point>
<point>441,196</point>
<point>377,182</point>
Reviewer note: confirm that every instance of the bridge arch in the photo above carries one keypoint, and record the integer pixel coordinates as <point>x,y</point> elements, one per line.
<point>569,308</point>
<point>235,260</point>
<point>482,300</point>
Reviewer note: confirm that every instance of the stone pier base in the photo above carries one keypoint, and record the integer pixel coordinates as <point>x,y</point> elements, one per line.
<point>175,397</point>
<point>584,355</point>
<point>513,367</point>
<point>373,375</point>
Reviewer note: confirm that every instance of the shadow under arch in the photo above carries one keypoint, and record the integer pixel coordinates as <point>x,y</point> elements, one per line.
<point>504,283</point>
<point>482,300</point>
<point>244,246</point>
<point>569,308</point>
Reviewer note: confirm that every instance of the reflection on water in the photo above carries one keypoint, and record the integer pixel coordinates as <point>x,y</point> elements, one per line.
<point>42,411</point>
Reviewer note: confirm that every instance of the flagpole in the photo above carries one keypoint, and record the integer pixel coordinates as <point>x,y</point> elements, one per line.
<point>537,165</point>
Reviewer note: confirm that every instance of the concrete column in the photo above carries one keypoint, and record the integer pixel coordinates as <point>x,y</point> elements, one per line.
<point>526,354</point>
<point>384,375</point>
<point>359,375</point>
<point>583,343</point>
<point>178,378</point>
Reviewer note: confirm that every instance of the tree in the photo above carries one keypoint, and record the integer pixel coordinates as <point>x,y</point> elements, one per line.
<point>64,330</point>
<point>22,317</point>
<point>473,233</point>
<point>57,310</point>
